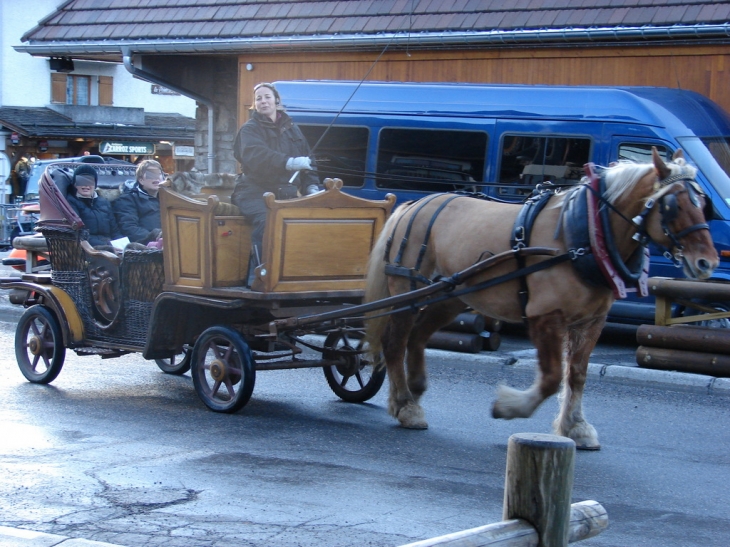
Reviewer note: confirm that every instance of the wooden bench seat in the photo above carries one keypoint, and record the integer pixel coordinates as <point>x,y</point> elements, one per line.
<point>314,243</point>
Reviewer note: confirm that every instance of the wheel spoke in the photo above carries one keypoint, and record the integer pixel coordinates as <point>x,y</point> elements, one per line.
<point>216,386</point>
<point>231,391</point>
<point>359,379</point>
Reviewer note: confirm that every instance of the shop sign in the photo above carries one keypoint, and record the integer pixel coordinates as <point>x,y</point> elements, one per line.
<point>126,148</point>
<point>42,146</point>
<point>14,138</point>
<point>183,152</point>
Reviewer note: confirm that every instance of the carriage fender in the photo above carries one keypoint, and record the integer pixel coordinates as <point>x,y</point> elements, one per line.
<point>62,305</point>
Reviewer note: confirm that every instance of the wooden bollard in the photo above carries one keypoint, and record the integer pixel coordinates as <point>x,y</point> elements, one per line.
<point>539,483</point>
<point>492,325</point>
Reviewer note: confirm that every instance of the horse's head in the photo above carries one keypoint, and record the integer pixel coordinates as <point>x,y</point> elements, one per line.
<point>676,216</point>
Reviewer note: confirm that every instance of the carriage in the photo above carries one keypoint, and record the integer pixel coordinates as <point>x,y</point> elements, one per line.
<point>555,262</point>
<point>187,305</point>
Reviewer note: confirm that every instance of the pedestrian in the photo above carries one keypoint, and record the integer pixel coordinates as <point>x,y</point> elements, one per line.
<point>22,174</point>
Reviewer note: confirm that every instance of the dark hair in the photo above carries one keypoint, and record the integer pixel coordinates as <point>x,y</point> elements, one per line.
<point>85,169</point>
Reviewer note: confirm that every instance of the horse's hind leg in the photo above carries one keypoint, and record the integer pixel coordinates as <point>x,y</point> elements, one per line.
<point>570,421</point>
<point>401,403</point>
<point>429,321</point>
<point>547,333</point>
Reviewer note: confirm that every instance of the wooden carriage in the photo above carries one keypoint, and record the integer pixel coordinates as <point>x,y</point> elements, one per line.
<point>189,302</point>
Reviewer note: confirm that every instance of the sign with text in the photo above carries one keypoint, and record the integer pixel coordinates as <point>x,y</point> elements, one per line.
<point>183,152</point>
<point>126,148</point>
<point>162,90</point>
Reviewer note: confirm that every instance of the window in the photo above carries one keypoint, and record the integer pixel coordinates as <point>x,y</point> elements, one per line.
<point>641,152</point>
<point>341,153</point>
<point>527,160</point>
<point>77,90</point>
<point>430,160</point>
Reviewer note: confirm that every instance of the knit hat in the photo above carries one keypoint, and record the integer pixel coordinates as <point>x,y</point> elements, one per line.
<point>84,175</point>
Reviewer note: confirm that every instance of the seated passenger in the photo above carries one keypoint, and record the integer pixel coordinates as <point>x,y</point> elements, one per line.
<point>137,210</point>
<point>94,210</point>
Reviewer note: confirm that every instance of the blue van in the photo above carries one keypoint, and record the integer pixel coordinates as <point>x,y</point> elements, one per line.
<point>412,139</point>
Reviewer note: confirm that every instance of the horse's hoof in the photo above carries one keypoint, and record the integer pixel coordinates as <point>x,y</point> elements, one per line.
<point>411,417</point>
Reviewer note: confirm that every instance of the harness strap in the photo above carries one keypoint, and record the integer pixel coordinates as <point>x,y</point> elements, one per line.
<point>404,241</point>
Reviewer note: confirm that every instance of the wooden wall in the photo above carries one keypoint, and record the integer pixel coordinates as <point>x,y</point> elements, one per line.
<point>700,68</point>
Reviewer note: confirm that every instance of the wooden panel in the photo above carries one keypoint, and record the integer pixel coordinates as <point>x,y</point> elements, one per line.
<point>189,268</point>
<point>325,249</point>
<point>320,242</point>
<point>106,91</point>
<point>232,244</point>
<point>58,87</point>
<point>701,68</point>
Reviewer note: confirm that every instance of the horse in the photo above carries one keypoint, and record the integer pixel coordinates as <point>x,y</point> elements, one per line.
<point>563,302</point>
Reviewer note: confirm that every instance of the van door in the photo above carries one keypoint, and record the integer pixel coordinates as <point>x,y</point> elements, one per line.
<point>531,152</point>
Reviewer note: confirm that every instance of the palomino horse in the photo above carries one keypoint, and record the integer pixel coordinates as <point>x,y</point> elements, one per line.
<point>564,305</point>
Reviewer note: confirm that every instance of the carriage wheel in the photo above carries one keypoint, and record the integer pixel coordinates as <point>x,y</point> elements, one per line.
<point>223,369</point>
<point>39,347</point>
<point>178,364</point>
<point>354,379</point>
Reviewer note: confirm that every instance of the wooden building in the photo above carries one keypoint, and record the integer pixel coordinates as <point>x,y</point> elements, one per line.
<point>216,50</point>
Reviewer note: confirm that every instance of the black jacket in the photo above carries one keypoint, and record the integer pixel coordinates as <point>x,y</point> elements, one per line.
<point>98,218</point>
<point>138,215</point>
<point>262,148</point>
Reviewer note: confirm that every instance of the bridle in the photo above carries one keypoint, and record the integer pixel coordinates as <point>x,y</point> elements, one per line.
<point>668,210</point>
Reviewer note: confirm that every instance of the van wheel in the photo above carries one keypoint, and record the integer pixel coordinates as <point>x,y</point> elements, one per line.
<point>723,323</point>
<point>39,347</point>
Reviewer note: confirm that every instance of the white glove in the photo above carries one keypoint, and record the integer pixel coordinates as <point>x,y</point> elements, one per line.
<point>298,164</point>
<point>313,189</point>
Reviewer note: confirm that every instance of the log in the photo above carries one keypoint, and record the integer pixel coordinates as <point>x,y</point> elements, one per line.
<point>470,322</point>
<point>701,339</point>
<point>713,364</point>
<point>539,483</point>
<point>490,340</point>
<point>587,520</point>
<point>492,325</point>
<point>455,341</point>
<point>689,288</point>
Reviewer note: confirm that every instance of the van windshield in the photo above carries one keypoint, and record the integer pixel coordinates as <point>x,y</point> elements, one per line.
<point>712,156</point>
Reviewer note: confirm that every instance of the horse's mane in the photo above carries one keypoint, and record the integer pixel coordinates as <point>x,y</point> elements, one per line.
<point>622,176</point>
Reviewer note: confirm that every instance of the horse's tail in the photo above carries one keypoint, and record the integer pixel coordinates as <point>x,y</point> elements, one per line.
<point>376,286</point>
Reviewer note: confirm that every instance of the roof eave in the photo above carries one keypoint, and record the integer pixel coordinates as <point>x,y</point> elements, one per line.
<point>108,50</point>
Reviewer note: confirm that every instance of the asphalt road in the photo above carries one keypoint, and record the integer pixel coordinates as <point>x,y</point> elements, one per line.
<point>116,451</point>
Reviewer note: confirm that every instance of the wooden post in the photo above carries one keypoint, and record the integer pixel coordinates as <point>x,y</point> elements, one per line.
<point>539,483</point>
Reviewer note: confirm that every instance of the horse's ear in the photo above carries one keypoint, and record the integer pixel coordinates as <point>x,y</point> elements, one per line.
<point>662,170</point>
<point>678,154</point>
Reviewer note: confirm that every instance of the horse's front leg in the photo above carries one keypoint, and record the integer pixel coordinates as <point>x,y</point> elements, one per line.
<point>547,333</point>
<point>401,403</point>
<point>570,421</point>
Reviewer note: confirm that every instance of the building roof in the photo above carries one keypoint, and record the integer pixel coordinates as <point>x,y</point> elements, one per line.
<point>98,29</point>
<point>49,124</point>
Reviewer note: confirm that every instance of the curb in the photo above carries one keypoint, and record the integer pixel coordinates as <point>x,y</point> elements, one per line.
<point>19,537</point>
<point>624,373</point>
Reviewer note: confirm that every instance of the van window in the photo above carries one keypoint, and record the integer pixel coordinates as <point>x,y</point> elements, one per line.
<point>430,160</point>
<point>640,152</point>
<point>527,160</point>
<point>341,153</point>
